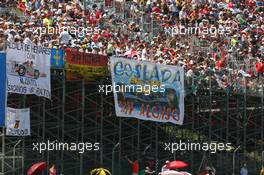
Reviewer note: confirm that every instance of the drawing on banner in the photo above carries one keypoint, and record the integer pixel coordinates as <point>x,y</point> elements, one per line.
<point>3,93</point>
<point>18,122</point>
<point>25,69</point>
<point>28,69</point>
<point>148,91</point>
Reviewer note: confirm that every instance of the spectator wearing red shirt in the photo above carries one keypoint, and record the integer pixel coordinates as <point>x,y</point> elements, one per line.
<point>98,14</point>
<point>219,63</point>
<point>22,6</point>
<point>156,9</point>
<point>53,170</point>
<point>260,67</point>
<point>134,166</point>
<point>251,3</point>
<point>93,19</point>
<point>251,73</point>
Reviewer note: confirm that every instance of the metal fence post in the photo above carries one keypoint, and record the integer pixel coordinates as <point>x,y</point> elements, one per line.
<point>234,160</point>
<point>120,141</point>
<point>262,159</point>
<point>113,158</point>
<point>101,127</point>
<point>262,120</point>
<point>23,140</point>
<point>156,146</point>
<point>3,150</point>
<point>82,124</point>
<point>14,155</point>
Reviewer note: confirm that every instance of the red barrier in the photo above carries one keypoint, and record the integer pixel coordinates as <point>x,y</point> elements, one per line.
<point>73,56</point>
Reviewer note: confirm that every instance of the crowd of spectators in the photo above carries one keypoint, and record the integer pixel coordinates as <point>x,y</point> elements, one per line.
<point>232,29</point>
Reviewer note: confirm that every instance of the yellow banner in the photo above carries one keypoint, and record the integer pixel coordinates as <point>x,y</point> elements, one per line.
<point>86,71</point>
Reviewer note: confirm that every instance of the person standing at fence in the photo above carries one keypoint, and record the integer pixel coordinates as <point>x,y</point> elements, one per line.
<point>149,171</point>
<point>53,170</point>
<point>210,170</point>
<point>164,167</point>
<point>262,171</point>
<point>244,170</point>
<point>134,166</point>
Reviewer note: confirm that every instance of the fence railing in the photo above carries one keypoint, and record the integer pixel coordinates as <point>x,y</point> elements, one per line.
<point>230,83</point>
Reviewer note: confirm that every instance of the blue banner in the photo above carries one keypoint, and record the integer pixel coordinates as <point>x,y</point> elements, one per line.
<point>2,88</point>
<point>147,91</point>
<point>57,58</point>
<point>259,3</point>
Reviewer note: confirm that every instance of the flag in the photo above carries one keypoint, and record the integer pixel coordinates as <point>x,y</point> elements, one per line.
<point>57,60</point>
<point>3,93</point>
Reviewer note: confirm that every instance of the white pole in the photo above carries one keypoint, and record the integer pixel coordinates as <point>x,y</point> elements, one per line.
<point>234,159</point>
<point>14,155</point>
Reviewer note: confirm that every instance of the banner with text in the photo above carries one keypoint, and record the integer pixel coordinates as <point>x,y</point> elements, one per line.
<point>85,64</point>
<point>2,88</point>
<point>28,69</point>
<point>148,91</point>
<point>18,122</point>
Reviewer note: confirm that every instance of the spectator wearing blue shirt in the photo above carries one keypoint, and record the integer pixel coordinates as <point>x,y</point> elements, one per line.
<point>244,170</point>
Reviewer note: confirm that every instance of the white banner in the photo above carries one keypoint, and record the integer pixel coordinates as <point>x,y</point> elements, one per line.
<point>28,69</point>
<point>18,122</point>
<point>148,91</point>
